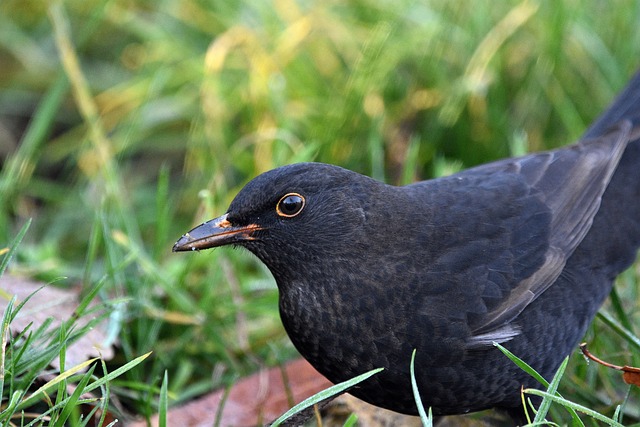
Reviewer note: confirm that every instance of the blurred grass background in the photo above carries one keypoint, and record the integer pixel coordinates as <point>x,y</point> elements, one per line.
<point>124,123</point>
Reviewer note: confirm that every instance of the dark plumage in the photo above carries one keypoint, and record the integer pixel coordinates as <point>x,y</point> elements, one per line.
<point>521,252</point>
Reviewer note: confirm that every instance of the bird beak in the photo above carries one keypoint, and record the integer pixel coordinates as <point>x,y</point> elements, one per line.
<point>217,232</point>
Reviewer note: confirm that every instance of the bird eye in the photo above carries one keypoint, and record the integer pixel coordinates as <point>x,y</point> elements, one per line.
<point>290,205</point>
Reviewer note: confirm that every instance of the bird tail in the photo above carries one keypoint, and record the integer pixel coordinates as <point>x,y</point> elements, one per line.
<point>626,106</point>
<point>614,238</point>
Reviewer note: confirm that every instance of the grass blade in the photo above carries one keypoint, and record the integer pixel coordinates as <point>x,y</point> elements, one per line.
<point>73,399</point>
<point>532,372</point>
<point>14,247</point>
<point>164,401</point>
<point>552,390</point>
<point>325,394</point>
<point>427,420</point>
<point>574,406</point>
<point>63,376</point>
<point>523,365</point>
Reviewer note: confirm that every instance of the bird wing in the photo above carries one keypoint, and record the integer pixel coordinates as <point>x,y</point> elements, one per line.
<point>570,182</point>
<point>540,206</point>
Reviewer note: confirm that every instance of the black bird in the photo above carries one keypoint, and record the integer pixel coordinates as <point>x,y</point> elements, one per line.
<point>521,252</point>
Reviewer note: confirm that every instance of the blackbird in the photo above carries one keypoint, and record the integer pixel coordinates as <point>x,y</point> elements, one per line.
<point>520,252</point>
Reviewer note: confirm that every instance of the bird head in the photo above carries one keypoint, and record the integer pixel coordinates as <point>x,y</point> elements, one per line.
<point>291,217</point>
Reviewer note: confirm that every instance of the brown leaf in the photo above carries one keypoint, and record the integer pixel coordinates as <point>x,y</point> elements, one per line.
<point>58,304</point>
<point>252,401</point>
<point>631,375</point>
<point>262,397</point>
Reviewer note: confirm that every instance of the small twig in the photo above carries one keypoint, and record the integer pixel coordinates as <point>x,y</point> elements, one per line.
<point>630,374</point>
<point>588,355</point>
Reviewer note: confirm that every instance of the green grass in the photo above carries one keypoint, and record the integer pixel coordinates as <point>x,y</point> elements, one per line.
<point>123,124</point>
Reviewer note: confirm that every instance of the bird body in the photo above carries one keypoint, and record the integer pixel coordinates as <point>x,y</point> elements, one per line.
<point>521,252</point>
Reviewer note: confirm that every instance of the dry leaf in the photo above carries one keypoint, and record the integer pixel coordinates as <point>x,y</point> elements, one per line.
<point>58,304</point>
<point>262,397</point>
<point>255,400</point>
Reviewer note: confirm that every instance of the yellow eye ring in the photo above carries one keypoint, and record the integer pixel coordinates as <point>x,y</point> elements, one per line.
<point>290,205</point>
